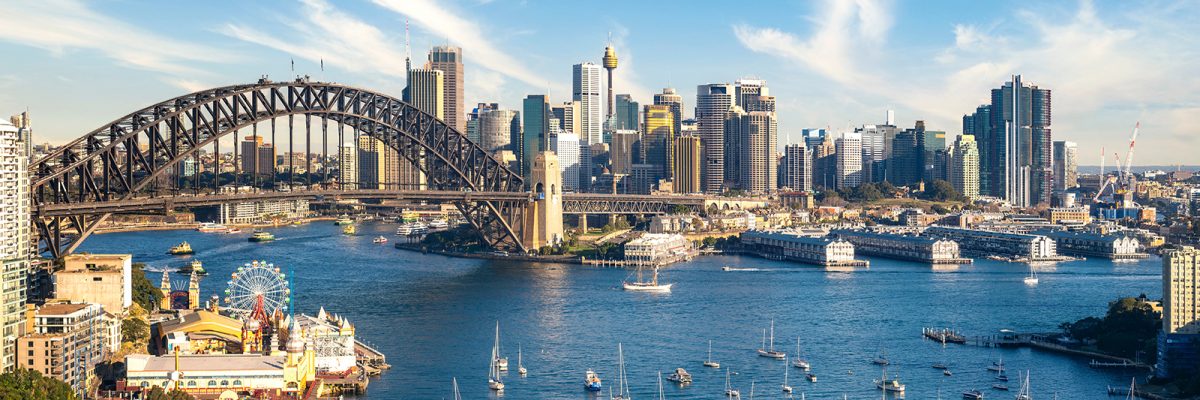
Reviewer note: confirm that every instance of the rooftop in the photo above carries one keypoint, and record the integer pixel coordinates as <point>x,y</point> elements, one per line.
<point>61,309</point>
<point>204,362</point>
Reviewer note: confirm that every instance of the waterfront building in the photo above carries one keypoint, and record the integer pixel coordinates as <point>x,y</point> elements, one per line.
<point>203,332</point>
<point>1066,165</point>
<point>448,60</point>
<point>568,146</point>
<point>796,171</point>
<point>750,160</point>
<point>673,102</point>
<point>585,88</point>
<point>1089,244</point>
<point>332,338</point>
<point>688,161</point>
<point>104,279</point>
<point>497,128</point>
<point>793,246</point>
<point>258,158</point>
<point>252,212</point>
<point>15,243</point>
<point>658,249</point>
<point>658,137</point>
<point>713,102</point>
<point>536,135</point>
<point>986,243</point>
<point>903,247</point>
<point>849,160</point>
<point>1015,143</point>
<point>1179,340</point>
<point>426,92</point>
<point>964,167</point>
<point>348,166</point>
<point>65,341</point>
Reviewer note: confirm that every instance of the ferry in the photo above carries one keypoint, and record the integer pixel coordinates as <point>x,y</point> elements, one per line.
<point>349,230</point>
<point>211,227</point>
<point>343,220</point>
<point>591,381</point>
<point>438,224</point>
<point>196,267</point>
<point>262,236</point>
<point>181,249</point>
<point>379,240</point>
<point>681,376</point>
<point>412,229</point>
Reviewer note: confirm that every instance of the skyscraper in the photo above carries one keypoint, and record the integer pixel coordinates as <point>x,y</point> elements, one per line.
<point>1015,144</point>
<point>931,143</point>
<point>964,166</point>
<point>448,59</point>
<point>1066,165</point>
<point>15,249</point>
<point>568,117</point>
<point>669,98</point>
<point>585,88</point>
<point>688,161</point>
<point>658,138</point>
<point>622,153</point>
<point>906,163</point>
<point>712,106</point>
<point>348,166</point>
<point>536,136</point>
<point>627,113</point>
<point>849,160</point>
<point>473,121</point>
<point>1181,291</point>
<point>497,128</point>
<point>753,137</point>
<point>796,172</point>
<point>568,146</point>
<point>426,92</point>
<point>372,162</point>
<point>874,147</point>
<point>257,157</point>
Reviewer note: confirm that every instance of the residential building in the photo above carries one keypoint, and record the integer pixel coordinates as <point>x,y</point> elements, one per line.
<point>796,172</point>
<point>750,151</point>
<point>536,136</point>
<point>348,166</point>
<point>1179,340</point>
<point>688,162</point>
<point>1066,165</point>
<point>65,341</point>
<point>426,92</point>
<point>674,102</point>
<point>712,107</point>
<point>987,243</point>
<point>372,162</point>
<point>876,147</point>
<point>585,88</point>
<point>15,244</point>
<point>497,128</point>
<point>1015,143</point>
<point>964,167</point>
<point>104,279</point>
<point>903,247</point>
<point>658,138</point>
<point>793,246</point>
<point>258,158</point>
<point>449,60</point>
<point>849,160</point>
<point>568,146</point>
<point>1090,244</point>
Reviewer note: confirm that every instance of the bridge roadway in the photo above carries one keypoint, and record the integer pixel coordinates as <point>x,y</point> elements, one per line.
<point>573,203</point>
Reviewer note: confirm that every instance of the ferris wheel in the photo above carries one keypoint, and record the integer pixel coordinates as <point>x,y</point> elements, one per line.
<point>258,288</point>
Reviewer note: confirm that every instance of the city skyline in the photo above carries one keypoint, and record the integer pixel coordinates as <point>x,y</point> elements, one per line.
<point>962,50</point>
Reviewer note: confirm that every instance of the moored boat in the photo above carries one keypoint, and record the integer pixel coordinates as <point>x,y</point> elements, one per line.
<point>799,362</point>
<point>211,227</point>
<point>680,376</point>
<point>379,240</point>
<point>651,285</point>
<point>769,351</point>
<point>972,395</point>
<point>494,380</point>
<point>709,362</point>
<point>591,381</point>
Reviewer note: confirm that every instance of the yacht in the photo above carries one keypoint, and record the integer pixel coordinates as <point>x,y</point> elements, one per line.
<point>997,366</point>
<point>211,227</point>
<point>641,285</point>
<point>786,388</point>
<point>730,392</point>
<point>439,224</point>
<point>261,236</point>
<point>1024,394</point>
<point>710,363</point>
<point>1000,386</point>
<point>770,351</point>
<point>680,376</point>
<point>622,388</point>
<point>889,385</point>
<point>379,240</point>
<point>181,249</point>
<point>591,381</point>
<point>1032,279</point>
<point>520,366</point>
<point>972,395</point>
<point>800,362</point>
<point>881,359</point>
<point>494,381</point>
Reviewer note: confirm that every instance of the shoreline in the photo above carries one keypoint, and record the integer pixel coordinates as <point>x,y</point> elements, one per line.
<point>194,225</point>
<point>416,247</point>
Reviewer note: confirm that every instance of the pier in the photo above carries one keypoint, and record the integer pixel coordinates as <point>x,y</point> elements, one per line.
<point>944,335</point>
<point>1040,341</point>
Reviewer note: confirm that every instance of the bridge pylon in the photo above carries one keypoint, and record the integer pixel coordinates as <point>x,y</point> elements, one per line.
<point>543,216</point>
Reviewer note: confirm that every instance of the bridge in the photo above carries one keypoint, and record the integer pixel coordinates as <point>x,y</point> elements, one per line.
<point>130,164</point>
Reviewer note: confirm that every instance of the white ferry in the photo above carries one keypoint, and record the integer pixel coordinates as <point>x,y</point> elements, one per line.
<point>211,227</point>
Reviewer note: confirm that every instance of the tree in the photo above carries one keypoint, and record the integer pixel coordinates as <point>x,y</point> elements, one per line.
<point>134,330</point>
<point>157,393</point>
<point>677,209</point>
<point>941,190</point>
<point>25,384</point>
<point>145,294</point>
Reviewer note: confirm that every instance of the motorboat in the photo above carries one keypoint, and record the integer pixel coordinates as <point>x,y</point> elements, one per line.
<point>680,376</point>
<point>233,230</point>
<point>211,227</point>
<point>181,249</point>
<point>591,381</point>
<point>261,236</point>
<point>811,377</point>
<point>881,359</point>
<point>439,224</point>
<point>770,351</point>
<point>379,240</point>
<point>642,285</point>
<point>946,372</point>
<point>972,395</point>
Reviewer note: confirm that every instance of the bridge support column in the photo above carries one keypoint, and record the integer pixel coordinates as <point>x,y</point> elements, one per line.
<point>543,217</point>
<point>583,224</point>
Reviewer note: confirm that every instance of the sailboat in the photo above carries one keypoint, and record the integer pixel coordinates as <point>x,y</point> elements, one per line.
<point>786,388</point>
<point>622,386</point>
<point>501,362</point>
<point>520,367</point>
<point>730,392</point>
<point>494,381</point>
<point>889,385</point>
<point>1024,393</point>
<point>1032,279</point>
<point>770,352</point>
<point>800,362</point>
<point>454,382</point>
<point>710,362</point>
<point>661,394</point>
<point>647,286</point>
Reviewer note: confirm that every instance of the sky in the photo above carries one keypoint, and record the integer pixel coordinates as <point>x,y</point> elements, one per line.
<point>77,65</point>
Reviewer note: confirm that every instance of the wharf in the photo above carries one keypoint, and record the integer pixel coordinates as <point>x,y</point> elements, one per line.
<point>944,335</point>
<point>372,360</point>
<point>1041,341</point>
<point>1124,391</point>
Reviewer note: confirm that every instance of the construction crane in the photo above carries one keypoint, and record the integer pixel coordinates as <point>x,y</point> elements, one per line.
<point>1128,175</point>
<point>1122,183</point>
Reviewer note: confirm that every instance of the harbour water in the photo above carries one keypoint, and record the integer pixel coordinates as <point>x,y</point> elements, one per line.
<point>434,317</point>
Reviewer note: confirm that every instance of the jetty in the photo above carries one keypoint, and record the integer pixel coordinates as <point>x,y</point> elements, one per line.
<point>944,335</point>
<point>1043,341</point>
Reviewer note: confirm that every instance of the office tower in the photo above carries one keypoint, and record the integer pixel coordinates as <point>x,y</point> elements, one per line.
<point>824,157</point>
<point>568,117</point>
<point>1015,143</point>
<point>610,64</point>
<point>669,98</point>
<point>536,136</point>
<point>1181,291</point>
<point>712,106</point>
<point>930,142</point>
<point>747,91</point>
<point>875,145</point>
<point>849,160</point>
<point>963,169</point>
<point>623,153</point>
<point>796,172</point>
<point>567,145</point>
<point>473,121</point>
<point>497,128</point>
<point>750,150</point>
<point>688,160</point>
<point>658,138</point>
<point>426,92</point>
<point>15,244</point>
<point>448,59</point>
<point>372,162</point>
<point>627,113</point>
<point>1066,164</point>
<point>585,88</point>
<point>348,166</point>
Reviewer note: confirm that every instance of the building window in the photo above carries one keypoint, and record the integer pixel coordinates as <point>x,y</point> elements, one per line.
<point>224,383</point>
<point>97,279</point>
<point>145,384</point>
<point>191,383</point>
<point>212,383</point>
<point>237,382</point>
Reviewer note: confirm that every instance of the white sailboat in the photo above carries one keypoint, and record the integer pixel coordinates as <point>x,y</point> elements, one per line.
<point>520,366</point>
<point>800,362</point>
<point>770,352</point>
<point>501,362</point>
<point>710,362</point>
<point>494,381</point>
<point>661,394</point>
<point>1032,279</point>
<point>730,392</point>
<point>454,382</point>
<point>622,386</point>
<point>786,388</point>
<point>641,285</point>
<point>1024,394</point>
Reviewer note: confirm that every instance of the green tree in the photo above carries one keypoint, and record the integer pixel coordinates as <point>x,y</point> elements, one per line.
<point>1130,326</point>
<point>941,190</point>
<point>145,294</point>
<point>24,384</point>
<point>134,330</point>
<point>157,393</point>
<point>677,209</point>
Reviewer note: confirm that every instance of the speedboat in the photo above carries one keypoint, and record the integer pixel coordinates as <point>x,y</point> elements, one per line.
<point>181,249</point>
<point>947,372</point>
<point>810,377</point>
<point>681,376</point>
<point>972,395</point>
<point>591,381</point>
<point>379,240</point>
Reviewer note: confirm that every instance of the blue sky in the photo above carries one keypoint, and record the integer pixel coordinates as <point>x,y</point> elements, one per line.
<point>78,64</point>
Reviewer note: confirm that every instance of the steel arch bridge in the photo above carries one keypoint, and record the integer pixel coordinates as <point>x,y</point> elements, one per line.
<point>126,159</point>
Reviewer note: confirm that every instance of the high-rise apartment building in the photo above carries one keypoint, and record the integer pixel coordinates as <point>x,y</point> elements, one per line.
<point>713,102</point>
<point>536,135</point>
<point>426,92</point>
<point>585,88</point>
<point>849,160</point>
<point>66,342</point>
<point>669,98</point>
<point>688,159</point>
<point>15,247</point>
<point>257,157</point>
<point>876,144</point>
<point>372,162</point>
<point>348,166</point>
<point>448,59</point>
<point>497,129</point>
<point>658,138</point>
<point>963,166</point>
<point>627,113</point>
<point>1015,143</point>
<point>796,172</point>
<point>752,138</point>
<point>1066,166</point>
<point>1181,291</point>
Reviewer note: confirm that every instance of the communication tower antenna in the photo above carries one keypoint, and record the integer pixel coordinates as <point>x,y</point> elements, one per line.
<point>407,52</point>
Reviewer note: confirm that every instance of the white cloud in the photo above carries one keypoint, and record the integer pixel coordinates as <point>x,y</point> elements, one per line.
<point>625,77</point>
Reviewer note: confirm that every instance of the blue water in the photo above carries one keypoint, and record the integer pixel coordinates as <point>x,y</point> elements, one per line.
<point>434,316</point>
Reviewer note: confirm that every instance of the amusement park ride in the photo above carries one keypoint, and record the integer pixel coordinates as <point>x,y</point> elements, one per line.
<point>260,292</point>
